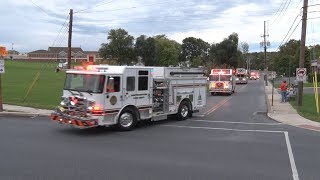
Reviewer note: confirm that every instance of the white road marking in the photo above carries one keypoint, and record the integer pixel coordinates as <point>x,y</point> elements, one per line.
<point>233,122</point>
<point>224,129</point>
<point>198,115</point>
<point>291,157</point>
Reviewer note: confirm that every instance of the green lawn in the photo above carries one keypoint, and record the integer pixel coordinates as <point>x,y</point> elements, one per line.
<point>308,108</point>
<point>19,76</point>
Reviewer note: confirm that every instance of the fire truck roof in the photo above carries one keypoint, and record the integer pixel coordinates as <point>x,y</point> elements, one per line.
<point>103,69</point>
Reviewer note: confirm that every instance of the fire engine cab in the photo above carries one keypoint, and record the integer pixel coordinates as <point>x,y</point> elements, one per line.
<point>241,76</point>
<point>103,95</point>
<point>222,81</point>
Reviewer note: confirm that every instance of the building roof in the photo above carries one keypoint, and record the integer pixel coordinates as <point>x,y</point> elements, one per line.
<point>65,49</point>
<point>91,52</point>
<point>39,51</point>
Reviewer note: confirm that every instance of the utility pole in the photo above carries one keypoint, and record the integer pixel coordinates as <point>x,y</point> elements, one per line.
<point>265,44</point>
<point>302,48</point>
<point>11,56</point>
<point>69,38</point>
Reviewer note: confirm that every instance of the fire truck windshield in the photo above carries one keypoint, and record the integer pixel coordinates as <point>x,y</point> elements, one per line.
<point>85,83</point>
<point>219,77</point>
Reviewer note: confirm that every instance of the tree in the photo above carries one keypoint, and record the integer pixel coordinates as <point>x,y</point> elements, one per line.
<point>145,48</point>
<point>194,51</point>
<point>226,53</point>
<point>166,51</point>
<point>120,47</point>
<point>244,48</point>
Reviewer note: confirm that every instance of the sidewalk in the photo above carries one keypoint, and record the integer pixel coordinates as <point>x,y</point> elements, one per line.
<point>285,113</point>
<point>23,111</point>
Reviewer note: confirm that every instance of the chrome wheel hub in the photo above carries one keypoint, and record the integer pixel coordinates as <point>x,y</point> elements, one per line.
<point>184,111</point>
<point>126,120</point>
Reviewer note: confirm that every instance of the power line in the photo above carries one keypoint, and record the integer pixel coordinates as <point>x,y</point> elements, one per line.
<point>63,25</point>
<point>313,5</point>
<point>314,18</point>
<point>132,7</point>
<point>279,13</point>
<point>44,11</point>
<point>289,36</point>
<point>285,10</point>
<point>97,5</point>
<point>278,9</point>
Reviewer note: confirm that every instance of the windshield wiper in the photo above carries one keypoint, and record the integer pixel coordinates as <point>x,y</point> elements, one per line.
<point>89,91</point>
<point>80,94</point>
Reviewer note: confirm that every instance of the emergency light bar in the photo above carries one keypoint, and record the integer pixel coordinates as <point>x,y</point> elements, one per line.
<point>91,68</point>
<point>221,72</point>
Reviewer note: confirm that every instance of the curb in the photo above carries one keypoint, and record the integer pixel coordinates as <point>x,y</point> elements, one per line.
<point>21,114</point>
<point>302,126</point>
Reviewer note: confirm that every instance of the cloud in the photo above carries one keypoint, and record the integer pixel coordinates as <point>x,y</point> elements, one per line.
<point>35,24</point>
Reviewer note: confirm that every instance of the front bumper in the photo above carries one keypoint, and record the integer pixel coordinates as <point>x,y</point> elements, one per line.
<point>80,122</point>
<point>241,82</point>
<point>220,90</point>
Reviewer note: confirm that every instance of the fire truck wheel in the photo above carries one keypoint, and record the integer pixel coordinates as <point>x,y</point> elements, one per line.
<point>127,120</point>
<point>184,111</point>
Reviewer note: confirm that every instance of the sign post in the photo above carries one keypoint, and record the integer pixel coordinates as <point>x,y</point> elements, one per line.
<point>1,72</point>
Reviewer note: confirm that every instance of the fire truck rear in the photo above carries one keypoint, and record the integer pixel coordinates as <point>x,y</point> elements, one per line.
<point>102,95</point>
<point>221,81</point>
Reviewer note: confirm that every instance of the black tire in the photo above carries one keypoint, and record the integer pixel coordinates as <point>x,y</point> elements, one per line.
<point>184,111</point>
<point>127,120</point>
<point>212,93</point>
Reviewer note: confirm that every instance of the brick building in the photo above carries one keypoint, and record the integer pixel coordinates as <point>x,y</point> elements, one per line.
<point>61,54</point>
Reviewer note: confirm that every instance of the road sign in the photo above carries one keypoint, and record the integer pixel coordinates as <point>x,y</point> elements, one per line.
<point>301,74</point>
<point>1,66</point>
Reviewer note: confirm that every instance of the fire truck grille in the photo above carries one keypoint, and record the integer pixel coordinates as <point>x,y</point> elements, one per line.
<point>75,106</point>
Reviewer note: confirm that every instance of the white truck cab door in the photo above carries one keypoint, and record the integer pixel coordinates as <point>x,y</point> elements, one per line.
<point>129,87</point>
<point>113,94</point>
<point>144,88</point>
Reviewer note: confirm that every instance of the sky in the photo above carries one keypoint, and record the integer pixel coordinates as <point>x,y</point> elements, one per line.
<point>29,25</point>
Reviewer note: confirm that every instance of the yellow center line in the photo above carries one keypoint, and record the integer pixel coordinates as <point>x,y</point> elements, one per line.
<point>221,103</point>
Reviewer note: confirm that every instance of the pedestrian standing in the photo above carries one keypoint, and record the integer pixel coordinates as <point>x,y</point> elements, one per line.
<point>283,88</point>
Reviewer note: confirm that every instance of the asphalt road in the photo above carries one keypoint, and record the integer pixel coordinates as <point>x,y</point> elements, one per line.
<point>309,90</point>
<point>231,139</point>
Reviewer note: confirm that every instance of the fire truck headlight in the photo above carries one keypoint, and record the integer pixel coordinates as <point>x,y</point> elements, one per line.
<point>62,103</point>
<point>237,79</point>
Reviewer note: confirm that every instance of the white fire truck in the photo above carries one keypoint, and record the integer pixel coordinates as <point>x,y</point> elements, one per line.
<point>102,95</point>
<point>222,81</point>
<point>241,76</point>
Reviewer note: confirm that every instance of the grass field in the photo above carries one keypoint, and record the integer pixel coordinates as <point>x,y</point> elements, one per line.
<point>308,109</point>
<point>19,76</point>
